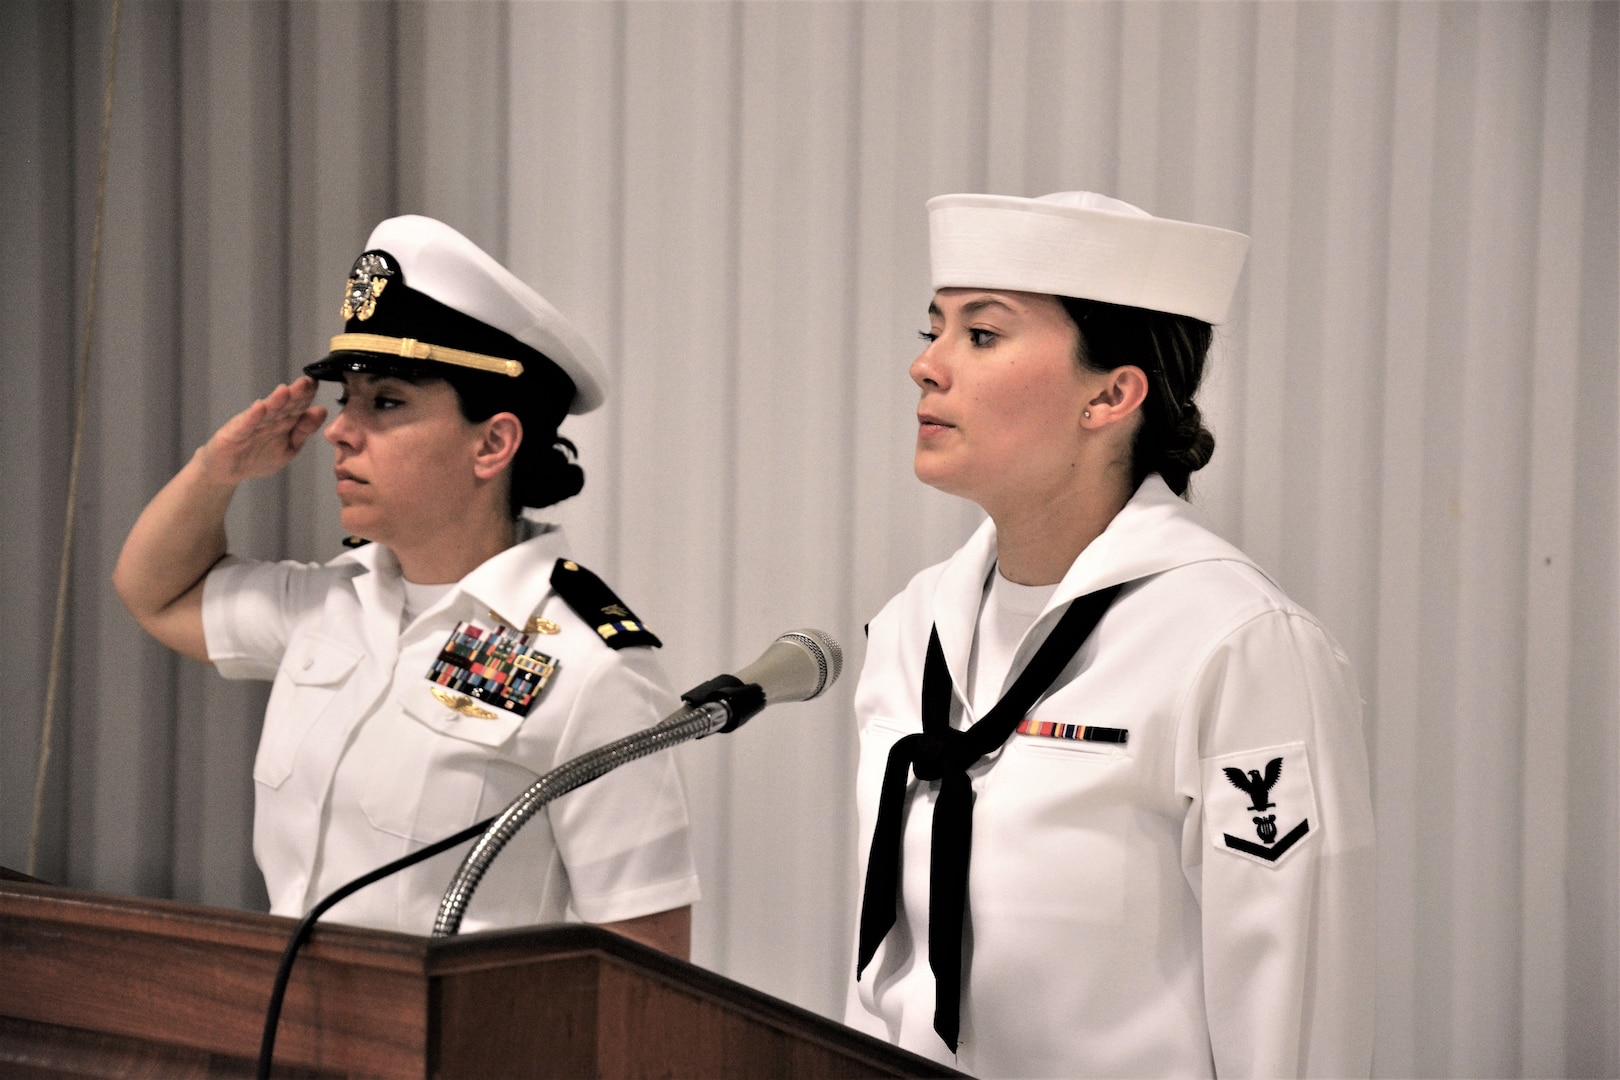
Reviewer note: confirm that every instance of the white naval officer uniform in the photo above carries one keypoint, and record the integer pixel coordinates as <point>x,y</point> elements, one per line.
<point>1126,915</point>
<point>359,763</point>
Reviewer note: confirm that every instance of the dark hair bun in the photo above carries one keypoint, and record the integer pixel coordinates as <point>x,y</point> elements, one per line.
<point>546,475</point>
<point>543,472</point>
<point>1186,449</point>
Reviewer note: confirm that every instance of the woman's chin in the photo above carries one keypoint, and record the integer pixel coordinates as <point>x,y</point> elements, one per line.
<point>938,475</point>
<point>356,522</point>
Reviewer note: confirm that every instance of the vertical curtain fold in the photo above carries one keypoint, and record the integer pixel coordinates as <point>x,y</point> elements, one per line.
<point>1415,401</point>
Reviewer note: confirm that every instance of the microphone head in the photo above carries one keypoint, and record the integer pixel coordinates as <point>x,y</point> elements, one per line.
<point>797,666</point>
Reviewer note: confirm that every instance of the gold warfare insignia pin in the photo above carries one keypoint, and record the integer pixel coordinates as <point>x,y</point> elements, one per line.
<point>462,705</point>
<point>366,283</point>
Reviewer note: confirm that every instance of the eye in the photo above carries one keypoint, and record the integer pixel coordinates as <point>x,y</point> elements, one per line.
<point>383,402</point>
<point>343,401</point>
<point>981,339</point>
<point>928,336</point>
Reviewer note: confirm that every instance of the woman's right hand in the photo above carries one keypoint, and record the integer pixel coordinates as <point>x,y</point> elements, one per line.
<point>181,533</point>
<point>264,437</point>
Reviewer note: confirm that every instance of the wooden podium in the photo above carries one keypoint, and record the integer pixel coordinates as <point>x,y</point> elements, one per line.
<point>95,985</point>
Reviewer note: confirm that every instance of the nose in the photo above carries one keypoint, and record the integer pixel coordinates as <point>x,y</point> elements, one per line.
<point>340,431</point>
<point>927,371</point>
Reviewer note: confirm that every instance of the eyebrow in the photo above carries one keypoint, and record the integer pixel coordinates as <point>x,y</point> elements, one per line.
<point>973,307</point>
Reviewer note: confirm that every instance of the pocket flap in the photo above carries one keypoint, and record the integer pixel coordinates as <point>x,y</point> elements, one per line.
<point>310,679</point>
<point>318,662</point>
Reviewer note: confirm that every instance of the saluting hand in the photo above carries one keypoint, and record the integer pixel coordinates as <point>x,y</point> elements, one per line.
<point>264,437</point>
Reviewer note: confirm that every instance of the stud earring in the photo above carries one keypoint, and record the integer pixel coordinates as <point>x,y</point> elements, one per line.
<point>1087,414</point>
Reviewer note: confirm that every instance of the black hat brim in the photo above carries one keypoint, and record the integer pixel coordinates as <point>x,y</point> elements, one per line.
<point>335,365</point>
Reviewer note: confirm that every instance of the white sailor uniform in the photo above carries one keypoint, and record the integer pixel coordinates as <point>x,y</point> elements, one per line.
<point>1130,912</point>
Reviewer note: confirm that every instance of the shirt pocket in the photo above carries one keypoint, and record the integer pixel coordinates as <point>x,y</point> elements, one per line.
<point>1056,831</point>
<point>433,777</point>
<point>311,675</point>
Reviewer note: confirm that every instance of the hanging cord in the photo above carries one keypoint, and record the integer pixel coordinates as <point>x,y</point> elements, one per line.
<point>64,576</point>
<point>306,926</point>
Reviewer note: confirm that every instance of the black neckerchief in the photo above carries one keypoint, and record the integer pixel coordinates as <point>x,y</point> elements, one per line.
<point>940,752</point>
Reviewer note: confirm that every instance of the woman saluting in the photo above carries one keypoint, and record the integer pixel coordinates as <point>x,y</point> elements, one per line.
<point>1113,777</point>
<point>426,678</point>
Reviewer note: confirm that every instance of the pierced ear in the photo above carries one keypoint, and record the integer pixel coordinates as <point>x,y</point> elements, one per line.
<point>502,435</point>
<point>1123,391</point>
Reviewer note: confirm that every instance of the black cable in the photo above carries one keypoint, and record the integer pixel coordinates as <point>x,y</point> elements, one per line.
<point>272,1016</point>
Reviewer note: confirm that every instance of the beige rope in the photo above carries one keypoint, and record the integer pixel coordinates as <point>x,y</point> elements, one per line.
<point>65,574</point>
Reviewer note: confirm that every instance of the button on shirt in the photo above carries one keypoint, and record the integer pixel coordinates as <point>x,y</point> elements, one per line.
<point>359,763</point>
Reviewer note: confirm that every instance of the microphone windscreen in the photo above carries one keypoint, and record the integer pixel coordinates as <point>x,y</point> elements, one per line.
<point>797,666</point>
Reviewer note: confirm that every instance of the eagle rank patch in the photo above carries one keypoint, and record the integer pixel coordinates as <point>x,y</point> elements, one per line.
<point>1260,804</point>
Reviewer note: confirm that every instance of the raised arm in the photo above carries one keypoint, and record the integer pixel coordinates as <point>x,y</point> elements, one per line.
<point>181,533</point>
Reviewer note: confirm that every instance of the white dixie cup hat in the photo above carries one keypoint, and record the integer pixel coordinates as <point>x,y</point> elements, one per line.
<point>1084,245</point>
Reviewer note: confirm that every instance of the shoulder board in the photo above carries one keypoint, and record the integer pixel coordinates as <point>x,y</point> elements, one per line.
<point>594,602</point>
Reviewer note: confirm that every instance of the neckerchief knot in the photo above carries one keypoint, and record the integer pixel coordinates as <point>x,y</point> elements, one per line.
<point>939,752</point>
<point>943,754</point>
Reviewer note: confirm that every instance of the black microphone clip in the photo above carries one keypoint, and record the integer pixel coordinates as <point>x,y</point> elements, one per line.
<point>740,700</point>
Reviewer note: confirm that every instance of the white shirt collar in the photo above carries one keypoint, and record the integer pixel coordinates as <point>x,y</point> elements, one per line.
<point>1154,532</point>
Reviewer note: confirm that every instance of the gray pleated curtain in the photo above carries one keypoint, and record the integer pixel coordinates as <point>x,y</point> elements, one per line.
<point>1415,402</point>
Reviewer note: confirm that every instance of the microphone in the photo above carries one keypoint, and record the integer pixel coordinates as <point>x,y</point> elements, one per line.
<point>797,666</point>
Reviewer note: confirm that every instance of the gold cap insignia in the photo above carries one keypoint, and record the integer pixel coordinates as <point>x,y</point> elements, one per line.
<point>366,283</point>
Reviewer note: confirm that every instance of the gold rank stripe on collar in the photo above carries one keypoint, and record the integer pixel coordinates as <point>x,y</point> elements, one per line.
<point>602,610</point>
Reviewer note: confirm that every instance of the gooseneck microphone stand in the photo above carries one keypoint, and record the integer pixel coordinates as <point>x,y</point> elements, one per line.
<point>798,666</point>
<point>720,704</point>
<point>688,724</point>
